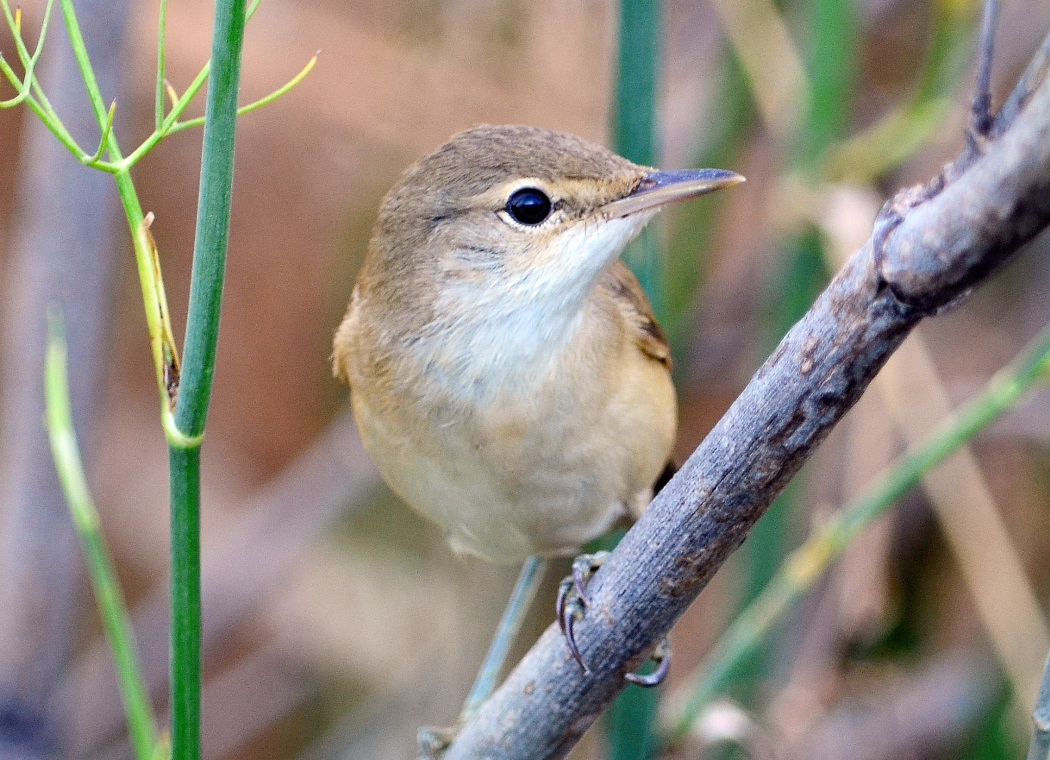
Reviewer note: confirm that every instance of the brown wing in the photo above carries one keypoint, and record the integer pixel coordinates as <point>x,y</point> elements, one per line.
<point>626,291</point>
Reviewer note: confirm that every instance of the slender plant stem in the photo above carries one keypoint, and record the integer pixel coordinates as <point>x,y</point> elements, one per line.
<point>634,122</point>
<point>807,563</point>
<point>112,608</point>
<point>28,61</point>
<point>184,399</point>
<point>629,724</point>
<point>149,276</point>
<point>170,122</point>
<point>637,80</point>
<point>159,94</point>
<point>213,215</point>
<point>832,65</point>
<point>186,631</point>
<point>98,104</point>
<point>191,408</point>
<point>255,104</point>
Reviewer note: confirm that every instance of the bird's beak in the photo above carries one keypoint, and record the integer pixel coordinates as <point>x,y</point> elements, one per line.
<point>660,188</point>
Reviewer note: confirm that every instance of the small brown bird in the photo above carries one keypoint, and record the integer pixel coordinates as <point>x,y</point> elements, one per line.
<point>507,374</point>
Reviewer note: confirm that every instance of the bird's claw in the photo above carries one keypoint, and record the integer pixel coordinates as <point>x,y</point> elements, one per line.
<point>572,604</point>
<point>573,600</point>
<point>662,657</point>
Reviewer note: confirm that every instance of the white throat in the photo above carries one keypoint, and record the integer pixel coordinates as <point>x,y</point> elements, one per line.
<point>512,327</point>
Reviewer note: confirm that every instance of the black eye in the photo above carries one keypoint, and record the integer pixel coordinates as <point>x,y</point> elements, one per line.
<point>529,205</point>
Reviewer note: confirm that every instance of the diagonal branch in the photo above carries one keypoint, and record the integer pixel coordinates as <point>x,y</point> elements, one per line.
<point>930,246</point>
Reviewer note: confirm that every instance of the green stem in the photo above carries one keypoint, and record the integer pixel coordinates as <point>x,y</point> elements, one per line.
<point>634,123</point>
<point>39,105</point>
<point>191,408</point>
<point>183,408</point>
<point>832,63</point>
<point>170,122</point>
<point>98,103</point>
<point>255,104</point>
<point>159,95</point>
<point>149,278</point>
<point>213,220</point>
<point>629,723</point>
<point>28,61</point>
<point>807,563</point>
<point>112,608</point>
<point>186,630</point>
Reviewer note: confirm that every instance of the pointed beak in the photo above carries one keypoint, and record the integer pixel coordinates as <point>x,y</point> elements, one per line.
<point>660,188</point>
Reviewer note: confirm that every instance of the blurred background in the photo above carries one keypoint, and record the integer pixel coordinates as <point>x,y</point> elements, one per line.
<point>336,621</point>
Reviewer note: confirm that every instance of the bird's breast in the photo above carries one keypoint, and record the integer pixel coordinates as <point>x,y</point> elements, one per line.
<point>517,441</point>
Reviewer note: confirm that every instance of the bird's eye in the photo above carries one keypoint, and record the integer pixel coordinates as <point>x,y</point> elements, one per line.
<point>529,206</point>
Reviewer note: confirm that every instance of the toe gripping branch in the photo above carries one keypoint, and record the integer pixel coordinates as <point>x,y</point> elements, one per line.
<point>572,605</point>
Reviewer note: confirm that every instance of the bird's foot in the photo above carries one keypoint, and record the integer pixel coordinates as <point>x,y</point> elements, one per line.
<point>573,600</point>
<point>662,657</point>
<point>434,741</point>
<point>572,604</point>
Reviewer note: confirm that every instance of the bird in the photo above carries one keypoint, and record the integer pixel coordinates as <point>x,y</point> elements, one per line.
<point>507,374</point>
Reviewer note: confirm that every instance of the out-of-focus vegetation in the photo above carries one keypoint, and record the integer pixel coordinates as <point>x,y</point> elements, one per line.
<point>336,621</point>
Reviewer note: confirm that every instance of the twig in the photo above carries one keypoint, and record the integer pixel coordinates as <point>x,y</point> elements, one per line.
<point>968,225</point>
<point>981,107</point>
<point>255,105</point>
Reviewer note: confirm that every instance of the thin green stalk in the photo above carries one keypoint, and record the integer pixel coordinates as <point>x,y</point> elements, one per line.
<point>149,277</point>
<point>184,401</point>
<point>80,52</point>
<point>832,62</point>
<point>807,564</point>
<point>213,219</point>
<point>637,81</point>
<point>29,90</point>
<point>179,107</point>
<point>634,122</point>
<point>191,408</point>
<point>630,721</point>
<point>142,725</point>
<point>162,66</point>
<point>29,62</point>
<point>255,104</point>
<point>186,631</point>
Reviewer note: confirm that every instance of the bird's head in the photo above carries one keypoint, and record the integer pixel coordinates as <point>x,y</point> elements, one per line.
<point>516,216</point>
